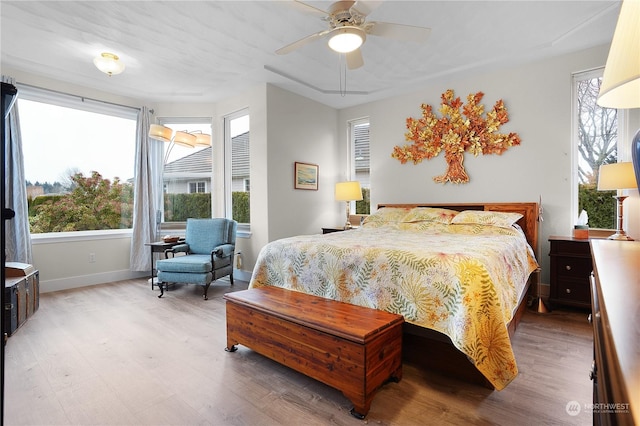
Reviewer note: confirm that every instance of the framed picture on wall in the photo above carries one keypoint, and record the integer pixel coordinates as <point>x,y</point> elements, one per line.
<point>305,176</point>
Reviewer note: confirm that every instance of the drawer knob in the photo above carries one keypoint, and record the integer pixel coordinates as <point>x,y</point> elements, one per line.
<point>568,267</point>
<point>568,290</point>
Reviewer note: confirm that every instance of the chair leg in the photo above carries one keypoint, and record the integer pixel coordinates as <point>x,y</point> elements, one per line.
<point>206,289</point>
<point>231,278</point>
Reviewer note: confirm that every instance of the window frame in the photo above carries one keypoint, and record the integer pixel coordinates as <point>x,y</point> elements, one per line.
<point>244,228</point>
<point>197,184</point>
<point>172,121</point>
<point>81,103</point>
<point>621,149</point>
<point>351,153</point>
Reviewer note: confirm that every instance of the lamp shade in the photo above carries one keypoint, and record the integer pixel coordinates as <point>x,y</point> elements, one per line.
<point>621,80</point>
<point>184,139</point>
<point>202,139</point>
<point>161,133</point>
<point>616,176</point>
<point>109,64</point>
<point>346,39</point>
<point>348,191</point>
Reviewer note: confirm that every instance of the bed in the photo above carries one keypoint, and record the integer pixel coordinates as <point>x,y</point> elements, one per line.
<point>458,273</point>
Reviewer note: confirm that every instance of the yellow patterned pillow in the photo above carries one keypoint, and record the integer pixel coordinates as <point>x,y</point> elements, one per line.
<point>481,217</point>
<point>387,214</point>
<point>430,214</point>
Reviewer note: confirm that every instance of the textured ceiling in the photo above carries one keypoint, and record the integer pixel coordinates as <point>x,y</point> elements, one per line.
<point>204,51</point>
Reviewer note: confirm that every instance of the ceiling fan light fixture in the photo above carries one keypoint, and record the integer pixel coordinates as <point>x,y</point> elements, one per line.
<point>108,63</point>
<point>347,39</point>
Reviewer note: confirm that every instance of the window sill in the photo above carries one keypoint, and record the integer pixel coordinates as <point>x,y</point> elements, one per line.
<point>60,237</point>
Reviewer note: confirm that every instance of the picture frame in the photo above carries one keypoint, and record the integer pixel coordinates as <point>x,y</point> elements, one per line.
<point>305,176</point>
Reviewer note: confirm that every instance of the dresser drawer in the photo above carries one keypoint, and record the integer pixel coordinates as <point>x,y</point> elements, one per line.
<point>573,267</point>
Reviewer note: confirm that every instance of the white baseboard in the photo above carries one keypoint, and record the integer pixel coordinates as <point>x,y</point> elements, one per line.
<point>109,277</point>
<point>89,280</point>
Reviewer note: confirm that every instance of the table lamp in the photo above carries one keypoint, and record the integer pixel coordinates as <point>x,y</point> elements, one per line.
<point>617,176</point>
<point>348,191</point>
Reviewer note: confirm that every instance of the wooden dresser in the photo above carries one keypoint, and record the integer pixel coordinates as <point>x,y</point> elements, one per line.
<point>615,292</point>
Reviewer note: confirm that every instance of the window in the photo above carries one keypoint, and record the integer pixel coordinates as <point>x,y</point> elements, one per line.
<point>187,174</point>
<point>195,187</point>
<point>237,163</point>
<point>359,161</point>
<point>596,130</point>
<point>79,161</point>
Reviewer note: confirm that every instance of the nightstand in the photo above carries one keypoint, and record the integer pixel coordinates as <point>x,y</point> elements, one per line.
<point>571,267</point>
<point>330,230</point>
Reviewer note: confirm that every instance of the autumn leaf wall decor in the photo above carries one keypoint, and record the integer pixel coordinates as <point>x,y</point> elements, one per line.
<point>456,132</point>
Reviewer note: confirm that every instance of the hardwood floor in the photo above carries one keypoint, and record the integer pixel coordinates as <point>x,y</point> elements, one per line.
<point>117,355</point>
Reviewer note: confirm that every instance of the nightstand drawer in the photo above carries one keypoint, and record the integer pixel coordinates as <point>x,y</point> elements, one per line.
<point>573,293</point>
<point>573,248</point>
<point>573,267</point>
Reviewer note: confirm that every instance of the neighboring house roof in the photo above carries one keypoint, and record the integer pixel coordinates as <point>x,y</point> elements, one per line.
<point>361,147</point>
<point>198,162</point>
<point>201,161</point>
<point>240,155</point>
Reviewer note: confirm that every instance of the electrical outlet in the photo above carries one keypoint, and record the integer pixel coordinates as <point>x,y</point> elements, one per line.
<point>92,257</point>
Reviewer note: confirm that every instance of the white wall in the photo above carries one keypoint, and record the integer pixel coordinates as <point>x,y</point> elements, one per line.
<point>538,99</point>
<point>305,131</point>
<point>65,262</point>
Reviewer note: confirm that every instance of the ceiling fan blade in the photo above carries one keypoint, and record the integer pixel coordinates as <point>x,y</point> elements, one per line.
<point>307,8</point>
<point>398,31</point>
<point>298,44</point>
<point>354,59</point>
<point>364,8</point>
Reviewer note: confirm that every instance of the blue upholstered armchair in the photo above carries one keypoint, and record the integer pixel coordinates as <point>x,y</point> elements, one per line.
<point>209,247</point>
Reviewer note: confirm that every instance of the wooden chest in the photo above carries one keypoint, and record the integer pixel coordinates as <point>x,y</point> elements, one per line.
<point>351,348</point>
<point>21,298</point>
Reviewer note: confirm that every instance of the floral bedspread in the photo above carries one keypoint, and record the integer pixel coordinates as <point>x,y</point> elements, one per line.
<point>461,280</point>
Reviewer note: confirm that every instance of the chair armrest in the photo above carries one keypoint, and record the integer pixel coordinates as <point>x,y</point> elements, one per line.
<point>180,248</point>
<point>224,250</point>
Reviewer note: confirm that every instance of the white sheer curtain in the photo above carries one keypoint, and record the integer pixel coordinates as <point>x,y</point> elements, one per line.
<point>17,235</point>
<point>146,190</point>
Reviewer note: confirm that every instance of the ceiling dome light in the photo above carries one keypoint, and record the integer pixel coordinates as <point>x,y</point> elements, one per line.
<point>109,64</point>
<point>347,39</point>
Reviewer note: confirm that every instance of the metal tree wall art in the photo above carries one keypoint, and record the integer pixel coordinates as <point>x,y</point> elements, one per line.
<point>455,132</point>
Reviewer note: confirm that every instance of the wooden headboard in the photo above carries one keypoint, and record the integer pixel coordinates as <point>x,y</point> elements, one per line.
<point>528,223</point>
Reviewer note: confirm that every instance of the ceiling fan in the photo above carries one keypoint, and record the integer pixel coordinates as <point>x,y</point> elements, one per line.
<point>348,29</point>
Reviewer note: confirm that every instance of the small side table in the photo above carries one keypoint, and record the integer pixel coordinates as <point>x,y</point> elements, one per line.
<point>158,247</point>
